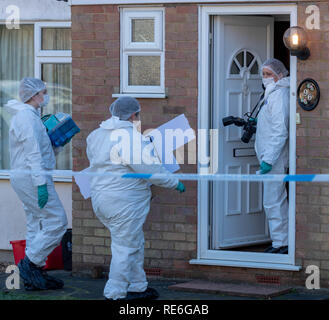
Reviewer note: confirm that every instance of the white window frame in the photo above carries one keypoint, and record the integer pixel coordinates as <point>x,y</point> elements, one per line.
<point>5,174</point>
<point>205,255</point>
<point>129,48</point>
<point>46,56</point>
<point>38,26</point>
<point>50,56</point>
<point>129,15</point>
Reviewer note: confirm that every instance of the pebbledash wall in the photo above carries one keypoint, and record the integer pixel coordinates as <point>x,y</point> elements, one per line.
<point>171,227</point>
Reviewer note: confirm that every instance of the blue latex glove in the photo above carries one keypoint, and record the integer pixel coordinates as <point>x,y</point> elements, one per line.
<point>42,195</point>
<point>180,187</point>
<point>253,119</point>
<point>265,167</point>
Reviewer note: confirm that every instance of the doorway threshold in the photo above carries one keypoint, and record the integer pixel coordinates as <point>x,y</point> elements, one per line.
<point>245,264</point>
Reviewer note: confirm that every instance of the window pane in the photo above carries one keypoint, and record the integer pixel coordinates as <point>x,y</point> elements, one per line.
<point>58,79</point>
<point>234,68</point>
<point>56,39</point>
<point>16,62</point>
<point>142,30</point>
<point>240,58</point>
<point>144,70</point>
<point>254,69</point>
<point>250,57</point>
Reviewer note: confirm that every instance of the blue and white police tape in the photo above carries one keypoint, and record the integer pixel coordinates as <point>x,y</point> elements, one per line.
<point>181,176</point>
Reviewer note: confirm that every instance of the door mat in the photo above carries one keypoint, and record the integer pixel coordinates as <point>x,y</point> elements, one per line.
<point>243,290</point>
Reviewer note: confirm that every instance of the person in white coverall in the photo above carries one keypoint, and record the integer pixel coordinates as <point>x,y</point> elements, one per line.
<point>31,154</point>
<point>122,204</point>
<point>272,149</point>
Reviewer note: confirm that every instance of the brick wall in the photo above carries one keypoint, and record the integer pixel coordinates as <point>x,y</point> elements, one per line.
<point>312,210</point>
<point>170,230</point>
<point>95,71</point>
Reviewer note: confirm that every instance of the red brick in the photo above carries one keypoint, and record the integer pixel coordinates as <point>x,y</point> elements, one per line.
<point>100,17</point>
<point>87,9</point>
<point>89,46</point>
<point>185,9</point>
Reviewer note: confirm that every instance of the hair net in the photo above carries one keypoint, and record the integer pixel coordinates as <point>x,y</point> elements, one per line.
<point>29,87</point>
<point>124,107</point>
<point>276,66</point>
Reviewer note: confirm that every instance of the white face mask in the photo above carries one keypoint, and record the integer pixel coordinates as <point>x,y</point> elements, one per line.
<point>45,101</point>
<point>268,82</point>
<point>138,125</point>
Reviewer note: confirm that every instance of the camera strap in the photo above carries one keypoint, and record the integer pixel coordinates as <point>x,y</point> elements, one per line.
<point>258,105</point>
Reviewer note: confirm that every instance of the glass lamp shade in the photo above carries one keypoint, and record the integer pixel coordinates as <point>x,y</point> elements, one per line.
<point>295,39</point>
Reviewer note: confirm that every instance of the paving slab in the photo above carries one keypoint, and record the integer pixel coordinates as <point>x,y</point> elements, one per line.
<point>241,290</point>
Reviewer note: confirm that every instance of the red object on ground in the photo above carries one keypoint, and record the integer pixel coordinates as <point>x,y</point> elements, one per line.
<point>54,260</point>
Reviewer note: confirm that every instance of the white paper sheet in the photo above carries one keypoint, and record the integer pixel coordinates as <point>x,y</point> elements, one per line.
<point>165,144</point>
<point>84,181</point>
<point>169,137</point>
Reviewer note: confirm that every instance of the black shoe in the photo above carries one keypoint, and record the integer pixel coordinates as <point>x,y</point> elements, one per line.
<point>283,250</point>
<point>31,275</point>
<point>120,299</point>
<point>52,283</point>
<point>29,287</point>
<point>148,294</point>
<point>272,250</point>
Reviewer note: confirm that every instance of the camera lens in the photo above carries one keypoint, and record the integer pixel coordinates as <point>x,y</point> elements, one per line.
<point>228,121</point>
<point>246,136</point>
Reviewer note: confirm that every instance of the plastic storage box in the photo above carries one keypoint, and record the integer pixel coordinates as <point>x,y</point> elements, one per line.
<point>54,260</point>
<point>60,127</point>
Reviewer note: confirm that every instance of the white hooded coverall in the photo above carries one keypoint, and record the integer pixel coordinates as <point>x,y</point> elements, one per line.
<point>272,146</point>
<point>122,204</point>
<point>31,150</point>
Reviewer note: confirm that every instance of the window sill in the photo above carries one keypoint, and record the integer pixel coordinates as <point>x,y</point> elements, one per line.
<point>245,264</point>
<point>4,175</point>
<point>59,178</point>
<point>141,95</point>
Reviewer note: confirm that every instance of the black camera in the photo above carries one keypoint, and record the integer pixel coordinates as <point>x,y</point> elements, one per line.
<point>249,126</point>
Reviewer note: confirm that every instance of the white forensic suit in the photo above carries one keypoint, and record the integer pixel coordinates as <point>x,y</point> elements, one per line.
<point>272,146</point>
<point>122,204</point>
<point>31,150</point>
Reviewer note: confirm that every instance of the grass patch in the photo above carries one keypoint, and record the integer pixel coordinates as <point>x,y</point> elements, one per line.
<point>19,295</point>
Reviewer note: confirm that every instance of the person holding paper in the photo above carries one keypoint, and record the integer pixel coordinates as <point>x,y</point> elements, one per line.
<point>122,204</point>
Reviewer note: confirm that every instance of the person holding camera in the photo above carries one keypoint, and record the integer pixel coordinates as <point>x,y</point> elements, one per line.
<point>272,149</point>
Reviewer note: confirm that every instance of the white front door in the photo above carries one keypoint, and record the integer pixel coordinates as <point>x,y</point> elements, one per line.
<point>240,45</point>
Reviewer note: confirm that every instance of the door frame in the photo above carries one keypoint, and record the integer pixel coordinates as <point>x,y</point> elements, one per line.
<point>206,256</point>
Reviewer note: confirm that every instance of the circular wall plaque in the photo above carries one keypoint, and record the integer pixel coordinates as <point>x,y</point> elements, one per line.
<point>308,94</point>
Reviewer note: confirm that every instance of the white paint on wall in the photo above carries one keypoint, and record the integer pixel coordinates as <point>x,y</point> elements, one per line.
<point>12,215</point>
<point>36,10</point>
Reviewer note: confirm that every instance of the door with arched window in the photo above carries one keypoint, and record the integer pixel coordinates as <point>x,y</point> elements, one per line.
<point>240,45</point>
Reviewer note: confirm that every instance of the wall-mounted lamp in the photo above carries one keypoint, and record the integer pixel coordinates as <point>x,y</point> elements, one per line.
<point>295,39</point>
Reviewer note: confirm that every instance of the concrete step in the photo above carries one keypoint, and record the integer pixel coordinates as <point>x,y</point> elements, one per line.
<point>242,290</point>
